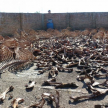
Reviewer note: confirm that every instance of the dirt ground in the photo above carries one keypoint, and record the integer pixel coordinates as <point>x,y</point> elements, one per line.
<point>19,80</point>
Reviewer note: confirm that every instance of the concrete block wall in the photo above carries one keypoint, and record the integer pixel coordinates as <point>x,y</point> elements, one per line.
<point>32,20</point>
<point>81,20</point>
<point>10,22</point>
<point>101,19</point>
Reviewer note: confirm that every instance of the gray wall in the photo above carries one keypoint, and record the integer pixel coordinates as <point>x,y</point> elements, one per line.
<point>10,22</point>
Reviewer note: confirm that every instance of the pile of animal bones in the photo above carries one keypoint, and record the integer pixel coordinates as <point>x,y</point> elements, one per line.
<point>86,50</point>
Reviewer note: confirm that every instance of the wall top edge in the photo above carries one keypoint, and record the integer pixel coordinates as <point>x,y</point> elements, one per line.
<point>49,13</point>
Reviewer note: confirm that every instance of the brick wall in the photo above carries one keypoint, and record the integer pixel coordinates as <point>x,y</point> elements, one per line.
<point>10,22</point>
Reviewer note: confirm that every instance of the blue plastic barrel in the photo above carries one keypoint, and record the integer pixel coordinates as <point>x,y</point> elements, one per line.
<point>50,24</point>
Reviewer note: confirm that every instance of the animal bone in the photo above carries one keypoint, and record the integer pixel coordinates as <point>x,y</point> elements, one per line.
<point>62,69</point>
<point>63,85</point>
<point>54,98</point>
<point>101,105</point>
<point>16,101</point>
<point>53,73</point>
<point>104,83</point>
<point>100,90</point>
<point>81,60</point>
<point>88,80</point>
<point>98,106</point>
<point>47,82</point>
<point>52,82</point>
<point>3,95</point>
<point>101,75</point>
<point>95,84</point>
<point>82,97</point>
<point>31,84</point>
<point>71,65</point>
<point>96,92</point>
<point>41,71</point>
<point>86,76</point>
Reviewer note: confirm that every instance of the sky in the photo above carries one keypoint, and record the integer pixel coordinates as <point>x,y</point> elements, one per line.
<point>56,6</point>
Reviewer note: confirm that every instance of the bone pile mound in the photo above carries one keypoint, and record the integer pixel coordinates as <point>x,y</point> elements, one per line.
<point>55,52</point>
<point>24,46</point>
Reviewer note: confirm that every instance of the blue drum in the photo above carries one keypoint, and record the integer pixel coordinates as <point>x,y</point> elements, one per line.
<point>50,24</point>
